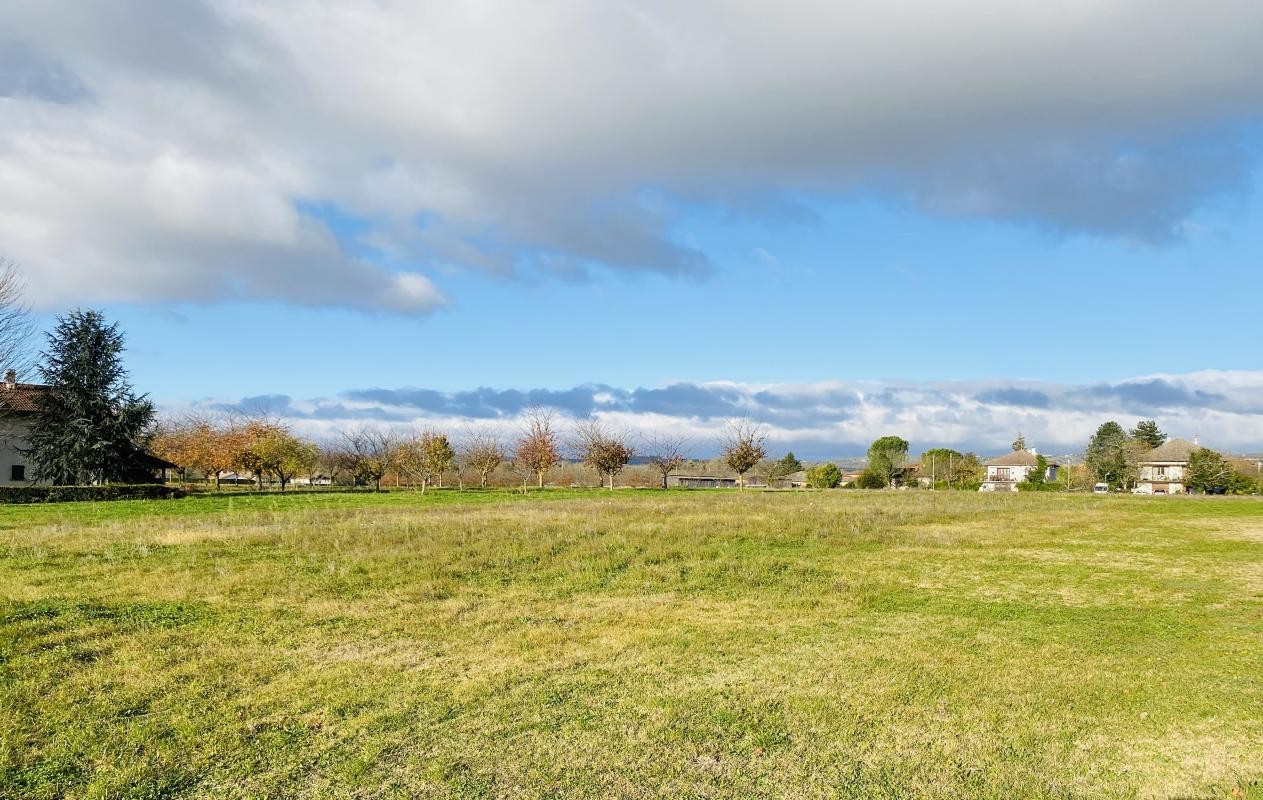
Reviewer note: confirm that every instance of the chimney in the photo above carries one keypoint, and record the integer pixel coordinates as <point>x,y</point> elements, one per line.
<point>10,380</point>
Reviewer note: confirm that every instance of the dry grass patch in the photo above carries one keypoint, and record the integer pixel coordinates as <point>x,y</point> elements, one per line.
<point>641,644</point>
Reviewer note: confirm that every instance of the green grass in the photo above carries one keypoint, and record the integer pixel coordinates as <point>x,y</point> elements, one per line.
<point>633,644</point>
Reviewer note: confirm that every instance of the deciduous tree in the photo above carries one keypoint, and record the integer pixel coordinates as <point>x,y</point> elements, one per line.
<point>1111,455</point>
<point>278,452</point>
<point>537,449</point>
<point>1208,472</point>
<point>437,457</point>
<point>604,449</point>
<point>369,452</point>
<point>824,476</point>
<point>665,454</point>
<point>483,452</point>
<point>743,447</point>
<point>16,325</point>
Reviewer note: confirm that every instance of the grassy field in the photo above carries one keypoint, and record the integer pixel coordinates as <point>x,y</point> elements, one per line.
<point>633,644</point>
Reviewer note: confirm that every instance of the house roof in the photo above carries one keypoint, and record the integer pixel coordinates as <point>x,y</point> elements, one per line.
<point>1176,450</point>
<point>1018,458</point>
<point>151,461</point>
<point>23,398</point>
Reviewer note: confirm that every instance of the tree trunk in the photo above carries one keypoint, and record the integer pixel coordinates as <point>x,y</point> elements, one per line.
<point>611,481</point>
<point>483,475</point>
<point>541,480</point>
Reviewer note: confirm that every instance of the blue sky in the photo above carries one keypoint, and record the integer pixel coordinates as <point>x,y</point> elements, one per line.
<point>644,196</point>
<point>864,291</point>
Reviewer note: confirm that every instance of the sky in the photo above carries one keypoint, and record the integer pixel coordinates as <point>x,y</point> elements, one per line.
<point>944,220</point>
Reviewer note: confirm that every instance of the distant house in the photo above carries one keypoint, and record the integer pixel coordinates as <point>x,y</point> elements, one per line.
<point>1007,471</point>
<point>794,480</point>
<point>702,482</point>
<point>1162,469</point>
<point>19,404</point>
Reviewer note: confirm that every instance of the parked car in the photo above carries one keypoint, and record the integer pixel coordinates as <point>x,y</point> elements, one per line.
<point>1101,488</point>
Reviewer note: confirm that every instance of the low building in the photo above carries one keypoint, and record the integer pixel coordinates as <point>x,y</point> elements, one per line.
<point>794,480</point>
<point>702,482</point>
<point>1007,471</point>
<point>1162,469</point>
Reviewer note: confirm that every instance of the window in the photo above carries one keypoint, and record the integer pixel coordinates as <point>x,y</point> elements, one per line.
<point>17,472</point>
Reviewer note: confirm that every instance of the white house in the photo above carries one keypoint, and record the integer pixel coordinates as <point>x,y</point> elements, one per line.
<point>1007,471</point>
<point>18,405</point>
<point>1162,469</point>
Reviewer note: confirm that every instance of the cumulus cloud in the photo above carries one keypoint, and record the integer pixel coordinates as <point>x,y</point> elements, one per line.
<point>833,418</point>
<point>173,150</point>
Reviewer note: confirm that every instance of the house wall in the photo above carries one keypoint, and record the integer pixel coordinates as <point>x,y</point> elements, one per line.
<point>13,433</point>
<point>1162,472</point>
<point>1016,474</point>
<point>1168,476</point>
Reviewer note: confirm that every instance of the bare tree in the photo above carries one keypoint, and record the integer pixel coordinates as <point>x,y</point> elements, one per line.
<point>537,450</point>
<point>742,447</point>
<point>482,452</point>
<point>665,454</point>
<point>16,325</point>
<point>370,453</point>
<point>605,449</point>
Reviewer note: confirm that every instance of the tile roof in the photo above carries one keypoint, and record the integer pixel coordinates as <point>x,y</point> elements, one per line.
<point>1174,450</point>
<point>23,398</point>
<point>1018,458</point>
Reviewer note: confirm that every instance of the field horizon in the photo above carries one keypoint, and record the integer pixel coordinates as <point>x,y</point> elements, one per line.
<point>641,643</point>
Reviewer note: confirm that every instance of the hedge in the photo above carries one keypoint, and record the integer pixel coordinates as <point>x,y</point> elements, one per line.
<point>69,494</point>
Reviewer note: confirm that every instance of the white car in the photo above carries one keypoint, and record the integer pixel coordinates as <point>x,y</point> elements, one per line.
<point>1101,488</point>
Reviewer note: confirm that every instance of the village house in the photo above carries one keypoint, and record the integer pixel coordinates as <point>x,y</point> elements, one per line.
<point>1162,469</point>
<point>1007,471</point>
<point>18,406</point>
<point>19,403</point>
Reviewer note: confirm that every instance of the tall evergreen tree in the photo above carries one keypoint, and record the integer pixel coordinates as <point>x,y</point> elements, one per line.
<point>91,428</point>
<point>1148,433</point>
<point>1108,455</point>
<point>790,464</point>
<point>1019,443</point>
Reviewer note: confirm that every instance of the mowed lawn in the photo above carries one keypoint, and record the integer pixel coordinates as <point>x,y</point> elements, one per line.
<point>633,644</point>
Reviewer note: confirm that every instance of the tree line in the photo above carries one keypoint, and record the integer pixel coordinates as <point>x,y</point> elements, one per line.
<point>94,428</point>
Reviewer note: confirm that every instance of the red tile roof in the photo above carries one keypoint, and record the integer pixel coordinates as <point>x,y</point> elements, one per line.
<point>22,398</point>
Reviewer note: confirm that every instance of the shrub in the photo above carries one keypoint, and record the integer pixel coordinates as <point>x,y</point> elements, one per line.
<point>870,480</point>
<point>71,494</point>
<point>824,476</point>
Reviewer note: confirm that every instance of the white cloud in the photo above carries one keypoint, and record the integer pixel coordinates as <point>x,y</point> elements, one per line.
<point>165,151</point>
<point>832,418</point>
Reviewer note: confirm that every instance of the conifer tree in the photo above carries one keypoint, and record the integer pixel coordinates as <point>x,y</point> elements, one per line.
<point>91,427</point>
